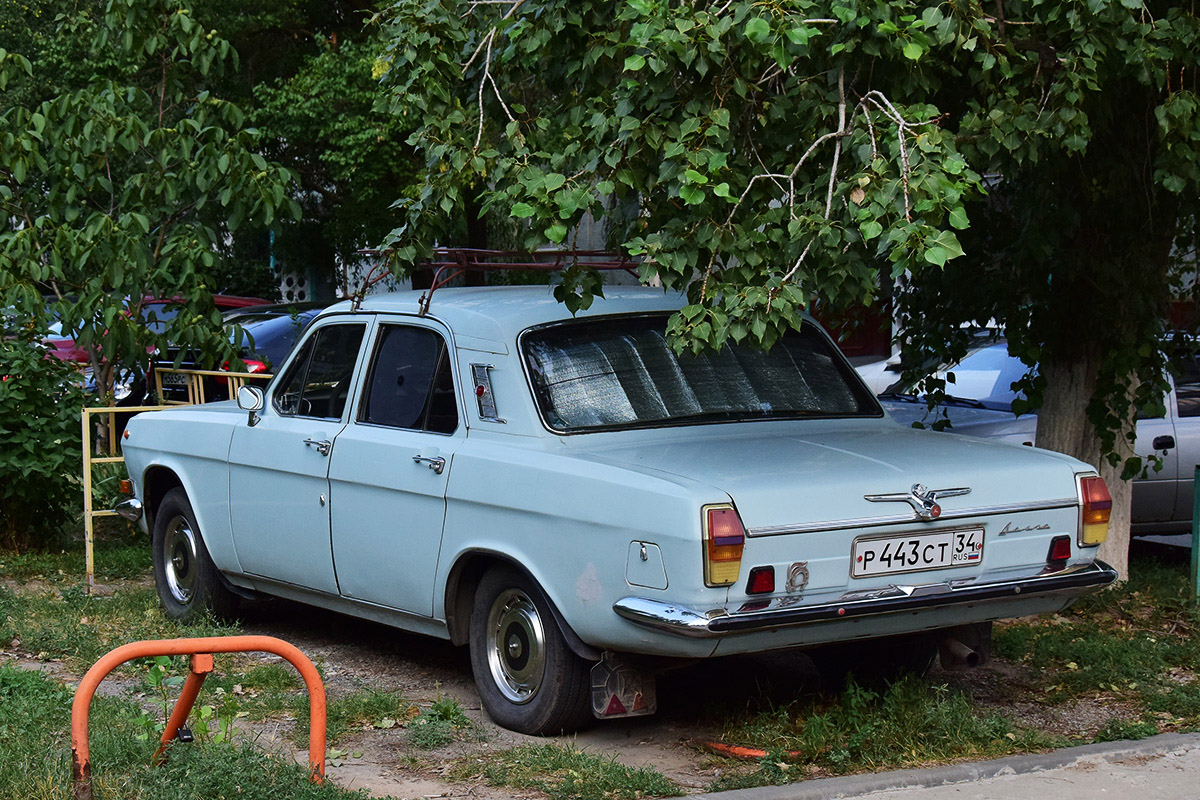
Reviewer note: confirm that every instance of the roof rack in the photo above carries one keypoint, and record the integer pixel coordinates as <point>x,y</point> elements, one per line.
<point>449,263</point>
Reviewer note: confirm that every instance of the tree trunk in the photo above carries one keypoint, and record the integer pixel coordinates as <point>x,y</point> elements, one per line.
<point>1063,426</point>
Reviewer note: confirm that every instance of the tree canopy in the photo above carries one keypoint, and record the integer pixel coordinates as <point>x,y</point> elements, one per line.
<point>124,189</point>
<point>769,155</point>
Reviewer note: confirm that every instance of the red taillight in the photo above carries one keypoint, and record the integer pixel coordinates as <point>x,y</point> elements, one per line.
<point>762,581</point>
<point>1060,552</point>
<point>1097,509</point>
<point>1097,502</point>
<point>254,367</point>
<point>725,534</point>
<point>724,539</point>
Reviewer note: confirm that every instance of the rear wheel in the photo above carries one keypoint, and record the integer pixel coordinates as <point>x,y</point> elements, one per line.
<point>529,680</point>
<point>189,586</point>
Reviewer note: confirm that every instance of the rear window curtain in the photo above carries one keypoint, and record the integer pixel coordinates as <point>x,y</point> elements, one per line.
<point>614,373</point>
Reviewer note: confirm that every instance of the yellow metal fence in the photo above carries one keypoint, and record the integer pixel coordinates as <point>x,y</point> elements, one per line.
<point>193,381</point>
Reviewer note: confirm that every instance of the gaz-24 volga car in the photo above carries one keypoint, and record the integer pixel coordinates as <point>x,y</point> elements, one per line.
<point>582,506</point>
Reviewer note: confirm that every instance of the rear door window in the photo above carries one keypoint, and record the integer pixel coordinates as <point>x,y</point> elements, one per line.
<point>410,384</point>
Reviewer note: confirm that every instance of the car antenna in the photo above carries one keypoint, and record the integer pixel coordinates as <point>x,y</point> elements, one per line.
<point>377,273</point>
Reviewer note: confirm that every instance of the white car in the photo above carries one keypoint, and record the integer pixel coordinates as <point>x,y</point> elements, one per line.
<point>980,404</point>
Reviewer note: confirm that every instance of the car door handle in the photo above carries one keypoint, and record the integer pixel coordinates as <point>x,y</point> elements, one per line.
<point>323,445</point>
<point>1163,442</point>
<point>436,463</point>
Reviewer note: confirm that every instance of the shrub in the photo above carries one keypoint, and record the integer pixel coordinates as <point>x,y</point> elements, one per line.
<point>40,401</point>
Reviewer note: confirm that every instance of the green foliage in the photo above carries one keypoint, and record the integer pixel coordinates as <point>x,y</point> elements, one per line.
<point>1086,114</point>
<point>351,158</point>
<point>565,772</point>
<point>755,153</point>
<point>371,707</point>
<point>40,487</point>
<point>126,188</point>
<point>1116,730</point>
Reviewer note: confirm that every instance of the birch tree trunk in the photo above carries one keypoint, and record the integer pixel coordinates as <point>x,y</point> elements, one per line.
<point>1063,426</point>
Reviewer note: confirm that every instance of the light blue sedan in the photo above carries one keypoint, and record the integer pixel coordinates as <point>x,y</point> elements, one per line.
<point>582,506</point>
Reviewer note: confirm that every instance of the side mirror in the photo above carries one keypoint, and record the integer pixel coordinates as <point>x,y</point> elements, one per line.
<point>252,400</point>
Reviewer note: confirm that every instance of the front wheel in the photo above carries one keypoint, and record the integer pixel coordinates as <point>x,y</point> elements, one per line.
<point>529,680</point>
<point>187,581</point>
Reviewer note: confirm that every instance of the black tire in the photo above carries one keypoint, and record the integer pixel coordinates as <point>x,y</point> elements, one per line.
<point>529,680</point>
<point>189,586</point>
<point>875,662</point>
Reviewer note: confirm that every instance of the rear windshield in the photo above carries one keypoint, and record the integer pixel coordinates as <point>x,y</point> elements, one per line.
<point>621,373</point>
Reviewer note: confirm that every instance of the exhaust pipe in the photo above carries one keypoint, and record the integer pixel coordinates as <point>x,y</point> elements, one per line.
<point>956,655</point>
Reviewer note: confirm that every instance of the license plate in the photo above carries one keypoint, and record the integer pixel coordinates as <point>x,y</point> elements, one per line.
<point>174,379</point>
<point>916,552</point>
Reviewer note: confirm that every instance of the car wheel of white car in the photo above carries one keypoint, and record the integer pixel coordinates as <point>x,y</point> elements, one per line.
<point>529,680</point>
<point>186,579</point>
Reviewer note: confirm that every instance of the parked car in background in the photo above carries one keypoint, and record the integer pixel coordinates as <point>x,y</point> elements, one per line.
<point>155,312</point>
<point>271,331</point>
<point>980,404</point>
<point>582,506</point>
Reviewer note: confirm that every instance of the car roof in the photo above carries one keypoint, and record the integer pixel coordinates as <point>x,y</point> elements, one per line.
<point>499,313</point>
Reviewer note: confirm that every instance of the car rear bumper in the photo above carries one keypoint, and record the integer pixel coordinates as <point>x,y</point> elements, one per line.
<point>784,612</point>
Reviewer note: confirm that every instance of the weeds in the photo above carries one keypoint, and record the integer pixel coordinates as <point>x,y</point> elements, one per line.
<point>443,722</point>
<point>909,722</point>
<point>566,773</point>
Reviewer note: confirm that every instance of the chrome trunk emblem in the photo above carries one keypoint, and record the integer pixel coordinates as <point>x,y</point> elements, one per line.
<point>797,577</point>
<point>923,501</point>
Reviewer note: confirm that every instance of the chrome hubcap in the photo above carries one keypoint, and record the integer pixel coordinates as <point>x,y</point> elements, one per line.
<point>516,646</point>
<point>179,552</point>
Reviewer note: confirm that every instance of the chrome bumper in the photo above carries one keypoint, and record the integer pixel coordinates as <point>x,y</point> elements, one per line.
<point>785,612</point>
<point>130,509</point>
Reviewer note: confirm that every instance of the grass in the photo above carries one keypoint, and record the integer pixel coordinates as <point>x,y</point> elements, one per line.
<point>34,720</point>
<point>1131,650</point>
<point>121,556</point>
<point>440,724</point>
<point>566,773</point>
<point>67,624</point>
<point>910,722</point>
<point>1134,645</point>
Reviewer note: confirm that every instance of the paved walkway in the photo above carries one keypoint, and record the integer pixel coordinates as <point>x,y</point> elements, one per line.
<point>1165,767</point>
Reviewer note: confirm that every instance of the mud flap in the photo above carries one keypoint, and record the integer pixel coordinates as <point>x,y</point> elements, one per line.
<point>620,689</point>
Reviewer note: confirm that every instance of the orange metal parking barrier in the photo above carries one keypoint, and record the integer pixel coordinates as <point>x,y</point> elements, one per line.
<point>201,651</point>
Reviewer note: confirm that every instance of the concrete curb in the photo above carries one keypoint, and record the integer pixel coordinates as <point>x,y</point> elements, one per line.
<point>858,785</point>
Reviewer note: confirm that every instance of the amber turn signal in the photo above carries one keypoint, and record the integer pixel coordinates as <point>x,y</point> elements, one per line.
<point>126,486</point>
